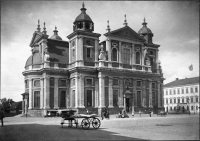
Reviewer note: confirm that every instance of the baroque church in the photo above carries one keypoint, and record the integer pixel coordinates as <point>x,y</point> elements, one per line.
<point>121,72</point>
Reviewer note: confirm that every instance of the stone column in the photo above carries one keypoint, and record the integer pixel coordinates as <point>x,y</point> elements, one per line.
<point>77,51</point>
<point>23,106</point>
<point>120,55</point>
<point>108,49</point>
<point>77,99</point>
<point>134,91</point>
<point>101,90</point>
<point>110,93</point>
<point>96,52</point>
<point>30,94</point>
<point>96,93</point>
<point>157,69</point>
<point>41,93</point>
<point>158,83</point>
<point>144,93</point>
<point>46,93</point>
<point>133,56</point>
<point>56,93</point>
<point>121,93</point>
<point>142,55</point>
<point>162,95</point>
<point>68,93</point>
<point>150,94</point>
<point>81,91</point>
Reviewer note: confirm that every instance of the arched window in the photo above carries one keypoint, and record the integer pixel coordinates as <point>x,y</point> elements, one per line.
<point>114,54</point>
<point>137,57</point>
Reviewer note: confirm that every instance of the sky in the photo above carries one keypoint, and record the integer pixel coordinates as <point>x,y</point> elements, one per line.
<point>175,25</point>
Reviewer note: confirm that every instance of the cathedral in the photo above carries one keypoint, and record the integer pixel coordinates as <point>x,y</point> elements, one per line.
<point>121,72</point>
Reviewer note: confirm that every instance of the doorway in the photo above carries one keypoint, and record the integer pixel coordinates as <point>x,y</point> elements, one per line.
<point>127,105</point>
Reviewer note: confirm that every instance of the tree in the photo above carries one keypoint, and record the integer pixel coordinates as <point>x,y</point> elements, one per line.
<point>7,104</point>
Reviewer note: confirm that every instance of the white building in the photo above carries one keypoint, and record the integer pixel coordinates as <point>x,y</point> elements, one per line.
<point>182,95</point>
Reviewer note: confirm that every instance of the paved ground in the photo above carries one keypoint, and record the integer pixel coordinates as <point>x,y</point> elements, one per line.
<point>172,127</point>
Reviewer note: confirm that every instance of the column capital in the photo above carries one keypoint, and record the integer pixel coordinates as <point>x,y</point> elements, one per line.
<point>80,36</point>
<point>107,39</point>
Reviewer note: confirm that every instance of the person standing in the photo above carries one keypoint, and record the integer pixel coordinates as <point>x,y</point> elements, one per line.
<point>1,116</point>
<point>140,113</point>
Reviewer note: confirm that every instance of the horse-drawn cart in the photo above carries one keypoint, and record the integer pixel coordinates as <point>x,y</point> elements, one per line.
<point>87,120</point>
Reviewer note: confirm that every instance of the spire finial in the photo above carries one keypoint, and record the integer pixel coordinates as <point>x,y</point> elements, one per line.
<point>144,19</point>
<point>108,27</point>
<point>44,29</point>
<point>144,23</point>
<point>55,31</point>
<point>55,28</point>
<point>83,5</point>
<point>125,23</point>
<point>38,28</point>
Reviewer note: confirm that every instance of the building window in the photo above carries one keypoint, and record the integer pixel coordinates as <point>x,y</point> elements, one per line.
<point>197,99</point>
<point>191,99</point>
<point>73,82</point>
<point>174,100</point>
<point>73,98</point>
<point>196,107</point>
<point>63,83</point>
<point>187,99</point>
<point>139,103</point>
<point>170,100</point>
<point>127,56</point>
<point>36,99</point>
<point>183,100</point>
<point>89,98</point>
<point>178,92</point>
<point>186,90</point>
<point>137,57</point>
<point>36,83</point>
<point>89,52</point>
<point>153,98</point>
<point>191,90</point>
<point>174,91</point>
<point>115,97</point>
<point>170,91</point>
<point>170,108</point>
<point>63,99</point>
<point>115,82</point>
<point>166,92</point>
<point>182,91</point>
<point>153,85</point>
<point>73,43</point>
<point>51,81</point>
<point>166,101</point>
<point>114,54</point>
<point>196,90</point>
<point>139,84</point>
<point>89,81</point>
<point>192,108</point>
<point>178,100</point>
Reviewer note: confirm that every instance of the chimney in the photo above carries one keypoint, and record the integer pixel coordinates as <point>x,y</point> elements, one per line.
<point>176,78</point>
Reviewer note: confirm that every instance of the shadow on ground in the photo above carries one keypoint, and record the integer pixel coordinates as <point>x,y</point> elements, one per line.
<point>39,132</point>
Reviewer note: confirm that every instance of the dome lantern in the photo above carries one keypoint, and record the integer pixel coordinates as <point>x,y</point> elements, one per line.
<point>55,36</point>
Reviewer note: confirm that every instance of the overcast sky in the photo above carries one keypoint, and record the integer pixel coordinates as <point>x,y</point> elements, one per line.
<point>175,25</point>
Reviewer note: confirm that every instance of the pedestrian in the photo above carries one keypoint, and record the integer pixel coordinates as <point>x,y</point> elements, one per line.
<point>133,113</point>
<point>140,113</point>
<point>150,113</point>
<point>1,116</point>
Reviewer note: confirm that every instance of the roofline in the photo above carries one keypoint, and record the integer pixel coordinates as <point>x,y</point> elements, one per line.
<point>179,85</point>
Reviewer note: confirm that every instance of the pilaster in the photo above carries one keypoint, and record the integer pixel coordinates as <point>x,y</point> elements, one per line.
<point>96,92</point>
<point>150,94</point>
<point>134,91</point>
<point>96,52</point>
<point>80,50</point>
<point>121,93</point>
<point>158,83</point>
<point>110,93</point>
<point>46,93</point>
<point>30,94</point>
<point>56,93</point>
<point>41,93</point>
<point>133,56</point>
<point>101,90</point>
<point>144,93</point>
<point>120,54</point>
<point>77,99</point>
<point>81,91</point>
<point>108,49</point>
<point>70,55</point>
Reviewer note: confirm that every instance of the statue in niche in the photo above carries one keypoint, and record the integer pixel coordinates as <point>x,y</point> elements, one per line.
<point>46,56</point>
<point>102,55</point>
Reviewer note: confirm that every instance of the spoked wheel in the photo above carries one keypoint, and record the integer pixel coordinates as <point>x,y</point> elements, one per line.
<point>85,124</point>
<point>96,123</point>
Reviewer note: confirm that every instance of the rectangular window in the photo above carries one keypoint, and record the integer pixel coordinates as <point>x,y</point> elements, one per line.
<point>139,83</point>
<point>191,90</point>
<point>89,81</point>
<point>36,83</point>
<point>187,99</point>
<point>153,85</point>
<point>166,92</point>
<point>178,100</point>
<point>170,92</point>
<point>197,99</point>
<point>115,82</point>
<point>139,98</point>
<point>178,91</point>
<point>196,90</point>
<point>186,90</point>
<point>153,98</point>
<point>192,108</point>
<point>115,97</point>
<point>89,98</point>
<point>89,54</point>
<point>174,100</point>
<point>170,108</point>
<point>73,82</point>
<point>36,99</point>
<point>191,99</point>
<point>182,91</point>
<point>170,100</point>
<point>63,83</point>
<point>166,101</point>
<point>126,56</point>
<point>183,100</point>
<point>174,91</point>
<point>73,98</point>
<point>51,81</point>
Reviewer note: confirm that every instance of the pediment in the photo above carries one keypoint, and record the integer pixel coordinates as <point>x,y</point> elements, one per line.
<point>126,32</point>
<point>35,38</point>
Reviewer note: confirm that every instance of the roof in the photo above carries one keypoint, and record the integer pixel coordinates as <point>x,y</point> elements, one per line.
<point>185,81</point>
<point>34,59</point>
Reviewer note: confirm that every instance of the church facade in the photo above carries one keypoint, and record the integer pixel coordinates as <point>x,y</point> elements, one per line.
<point>122,72</point>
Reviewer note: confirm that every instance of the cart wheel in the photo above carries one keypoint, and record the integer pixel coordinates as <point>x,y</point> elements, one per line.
<point>85,124</point>
<point>96,123</point>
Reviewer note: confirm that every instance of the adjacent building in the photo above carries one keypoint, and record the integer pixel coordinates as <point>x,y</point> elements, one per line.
<point>182,95</point>
<point>121,72</point>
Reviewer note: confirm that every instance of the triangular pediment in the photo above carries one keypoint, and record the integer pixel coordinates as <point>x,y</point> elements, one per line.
<point>35,38</point>
<point>125,32</point>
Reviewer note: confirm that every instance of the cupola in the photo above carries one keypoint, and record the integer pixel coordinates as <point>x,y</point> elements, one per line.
<point>83,21</point>
<point>146,32</point>
<point>55,36</point>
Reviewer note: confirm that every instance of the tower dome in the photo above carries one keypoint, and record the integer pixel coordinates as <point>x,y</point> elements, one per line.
<point>35,59</point>
<point>144,30</point>
<point>83,21</point>
<point>55,36</point>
